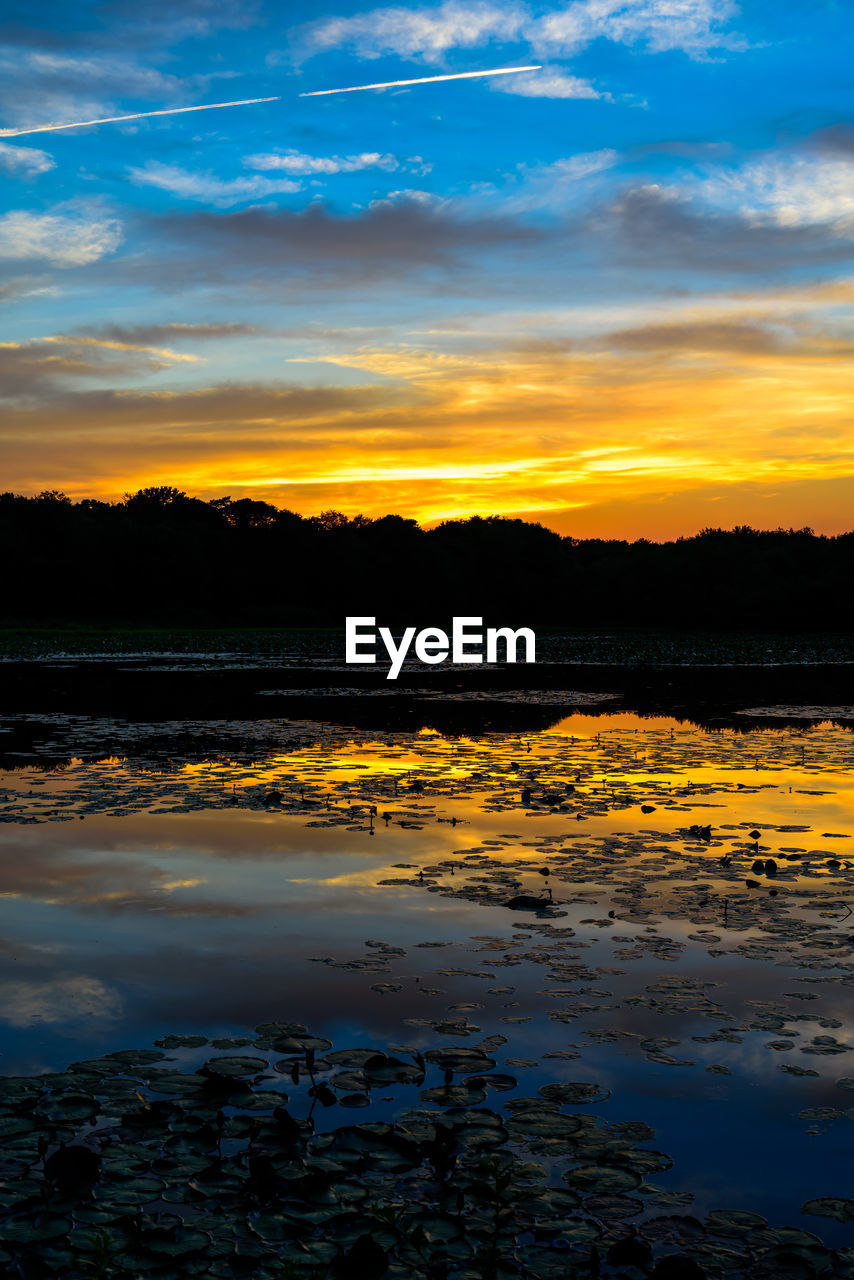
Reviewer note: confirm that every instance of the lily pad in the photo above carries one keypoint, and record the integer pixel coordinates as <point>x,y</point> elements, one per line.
<point>830,1207</point>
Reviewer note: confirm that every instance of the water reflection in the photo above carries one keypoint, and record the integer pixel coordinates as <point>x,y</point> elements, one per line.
<point>358,882</point>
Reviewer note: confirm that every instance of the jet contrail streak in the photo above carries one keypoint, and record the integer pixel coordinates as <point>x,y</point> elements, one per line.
<point>138,115</point>
<point>394,84</point>
<point>247,102</point>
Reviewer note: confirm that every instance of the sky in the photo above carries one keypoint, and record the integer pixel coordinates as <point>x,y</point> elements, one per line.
<point>614,294</point>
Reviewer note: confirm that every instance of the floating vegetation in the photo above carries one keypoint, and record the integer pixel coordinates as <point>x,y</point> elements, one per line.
<point>798,712</point>
<point>677,911</point>
<point>125,1167</point>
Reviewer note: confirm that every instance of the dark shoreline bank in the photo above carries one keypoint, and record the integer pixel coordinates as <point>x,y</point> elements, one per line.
<point>158,689</point>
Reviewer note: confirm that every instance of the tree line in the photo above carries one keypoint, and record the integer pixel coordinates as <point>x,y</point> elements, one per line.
<point>162,557</point>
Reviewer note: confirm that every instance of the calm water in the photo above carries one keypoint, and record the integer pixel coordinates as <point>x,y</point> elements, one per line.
<point>146,894</point>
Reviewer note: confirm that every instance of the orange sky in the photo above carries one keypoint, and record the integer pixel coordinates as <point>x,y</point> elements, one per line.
<point>737,413</point>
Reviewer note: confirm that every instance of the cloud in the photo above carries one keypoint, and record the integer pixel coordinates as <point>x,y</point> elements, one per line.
<point>41,365</point>
<point>125,24</point>
<point>547,83</point>
<point>155,334</point>
<point>391,240</point>
<point>581,165</point>
<point>791,191</point>
<point>836,138</point>
<point>58,1000</point>
<point>704,337</point>
<point>65,239</point>
<point>577,223</point>
<point>81,341</point>
<point>38,87</point>
<point>420,33</point>
<point>208,415</point>
<point>27,161</point>
<point>187,19</point>
<point>571,169</point>
<point>653,227</point>
<point>692,26</point>
<point>206,187</point>
<point>411,195</point>
<point>296,162</point>
<point>24,287</point>
<point>554,186</point>
<point>27,368</point>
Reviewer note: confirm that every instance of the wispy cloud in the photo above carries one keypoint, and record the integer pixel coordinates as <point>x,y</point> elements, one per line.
<point>547,83</point>
<point>791,191</point>
<point>38,86</point>
<point>422,33</point>
<point>556,187</point>
<point>27,162</point>
<point>693,26</point>
<point>207,188</point>
<point>24,287</point>
<point>28,1004</point>
<point>315,249</point>
<point>147,335</point>
<point>80,341</point>
<point>650,226</point>
<point>66,239</point>
<point>560,184</point>
<point>295,162</point>
<point>41,365</point>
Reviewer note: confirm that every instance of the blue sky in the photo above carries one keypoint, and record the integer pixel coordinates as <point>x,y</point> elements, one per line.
<point>613,294</point>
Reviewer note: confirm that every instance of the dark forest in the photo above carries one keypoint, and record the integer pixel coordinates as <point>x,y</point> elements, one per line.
<point>162,557</point>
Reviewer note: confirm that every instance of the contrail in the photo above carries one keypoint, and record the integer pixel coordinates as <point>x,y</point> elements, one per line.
<point>394,84</point>
<point>138,115</point>
<point>247,102</point>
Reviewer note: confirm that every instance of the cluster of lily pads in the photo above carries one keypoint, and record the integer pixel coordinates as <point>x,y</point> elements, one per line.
<point>130,1167</point>
<point>115,767</point>
<point>138,1165</point>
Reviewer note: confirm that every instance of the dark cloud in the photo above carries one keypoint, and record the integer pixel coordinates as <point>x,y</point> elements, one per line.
<point>837,139</point>
<point>729,335</point>
<point>121,24</point>
<point>42,85</point>
<point>543,347</point>
<point>200,16</point>
<point>741,337</point>
<point>159,334</point>
<point>747,337</point>
<point>16,288</point>
<point>652,228</point>
<point>20,35</point>
<point>386,241</point>
<point>297,255</point>
<point>40,368</point>
<point>210,413</point>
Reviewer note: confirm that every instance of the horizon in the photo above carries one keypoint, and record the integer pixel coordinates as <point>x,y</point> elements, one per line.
<point>352,518</point>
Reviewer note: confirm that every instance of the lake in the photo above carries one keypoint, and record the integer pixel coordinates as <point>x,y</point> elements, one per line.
<point>625,942</point>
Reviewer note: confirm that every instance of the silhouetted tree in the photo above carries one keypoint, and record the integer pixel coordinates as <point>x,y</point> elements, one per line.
<point>163,556</point>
